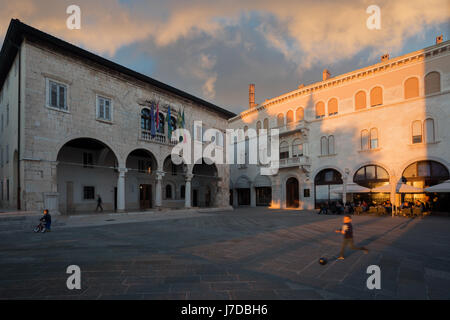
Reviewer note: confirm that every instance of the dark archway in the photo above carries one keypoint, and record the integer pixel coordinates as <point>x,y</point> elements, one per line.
<point>292,193</point>
<point>204,184</point>
<point>371,176</point>
<point>322,183</point>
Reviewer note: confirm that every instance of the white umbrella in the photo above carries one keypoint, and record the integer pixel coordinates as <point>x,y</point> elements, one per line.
<point>442,187</point>
<point>351,188</point>
<point>401,188</point>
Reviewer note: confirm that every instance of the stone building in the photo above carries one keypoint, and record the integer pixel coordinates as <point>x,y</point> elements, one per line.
<point>75,126</point>
<point>377,126</point>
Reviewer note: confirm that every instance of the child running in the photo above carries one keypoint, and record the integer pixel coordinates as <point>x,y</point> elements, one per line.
<point>347,231</point>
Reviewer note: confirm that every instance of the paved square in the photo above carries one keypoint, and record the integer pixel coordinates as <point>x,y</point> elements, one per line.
<point>243,254</point>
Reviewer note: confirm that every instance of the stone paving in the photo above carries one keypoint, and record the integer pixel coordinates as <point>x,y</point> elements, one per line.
<point>243,254</point>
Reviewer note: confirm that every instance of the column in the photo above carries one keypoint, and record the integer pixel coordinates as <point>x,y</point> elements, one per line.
<point>187,193</point>
<point>158,192</point>
<point>393,198</point>
<point>121,190</point>
<point>344,190</point>
<point>252,196</point>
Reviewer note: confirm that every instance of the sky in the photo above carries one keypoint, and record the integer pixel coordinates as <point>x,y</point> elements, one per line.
<point>214,49</point>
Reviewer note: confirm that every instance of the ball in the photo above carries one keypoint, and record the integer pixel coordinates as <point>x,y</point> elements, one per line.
<point>323,261</point>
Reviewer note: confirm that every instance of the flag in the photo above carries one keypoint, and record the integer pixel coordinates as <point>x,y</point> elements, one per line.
<point>152,121</point>
<point>183,125</point>
<point>169,125</point>
<point>157,117</point>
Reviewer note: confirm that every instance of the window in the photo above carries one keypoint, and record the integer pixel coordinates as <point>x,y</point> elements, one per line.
<point>371,176</point>
<point>258,127</point>
<point>411,88</point>
<point>300,114</point>
<point>7,114</point>
<point>429,130</point>
<point>373,138</point>
<point>144,166</point>
<point>168,191</point>
<point>376,96</point>
<point>331,150</point>
<point>104,108</point>
<point>324,146</point>
<point>88,160</point>
<point>57,95</point>
<point>280,120</point>
<point>284,150</point>
<point>145,119</point>
<point>297,148</point>
<point>432,82</point>
<point>161,123</point>
<point>332,107</point>
<point>417,132</point>
<point>266,124</point>
<point>89,193</point>
<point>360,100</point>
<point>364,140</point>
<point>290,116</point>
<point>320,110</point>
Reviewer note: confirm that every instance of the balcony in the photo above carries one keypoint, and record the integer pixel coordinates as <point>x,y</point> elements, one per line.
<point>293,127</point>
<point>158,138</point>
<point>294,162</point>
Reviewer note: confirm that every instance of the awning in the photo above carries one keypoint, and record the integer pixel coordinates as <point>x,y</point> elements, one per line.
<point>401,188</point>
<point>441,187</point>
<point>351,188</point>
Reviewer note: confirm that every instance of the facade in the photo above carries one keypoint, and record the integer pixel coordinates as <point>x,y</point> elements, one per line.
<point>75,126</point>
<point>381,125</point>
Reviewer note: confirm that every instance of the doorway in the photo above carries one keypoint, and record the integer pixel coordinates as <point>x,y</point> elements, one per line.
<point>195,198</point>
<point>292,193</point>
<point>145,196</point>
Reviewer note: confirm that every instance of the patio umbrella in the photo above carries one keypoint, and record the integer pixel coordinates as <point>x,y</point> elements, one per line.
<point>442,187</point>
<point>401,188</point>
<point>351,188</point>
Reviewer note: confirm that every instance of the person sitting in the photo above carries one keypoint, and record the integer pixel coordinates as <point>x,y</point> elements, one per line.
<point>323,208</point>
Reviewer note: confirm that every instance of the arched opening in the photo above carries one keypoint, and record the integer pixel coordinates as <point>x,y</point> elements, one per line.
<point>322,186</point>
<point>371,176</point>
<point>376,97</point>
<point>292,193</point>
<point>411,88</point>
<point>333,107</point>
<point>87,169</point>
<point>360,100</point>
<point>174,179</point>
<point>204,184</point>
<point>243,191</point>
<point>139,191</point>
<point>320,110</point>
<point>432,82</point>
<point>263,190</point>
<point>300,114</point>
<point>290,117</point>
<point>424,174</point>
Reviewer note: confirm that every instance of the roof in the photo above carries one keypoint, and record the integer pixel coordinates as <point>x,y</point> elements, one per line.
<point>18,31</point>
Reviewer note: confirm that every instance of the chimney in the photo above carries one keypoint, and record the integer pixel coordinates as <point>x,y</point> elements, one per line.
<point>251,96</point>
<point>385,57</point>
<point>439,39</point>
<point>326,74</point>
<point>301,86</point>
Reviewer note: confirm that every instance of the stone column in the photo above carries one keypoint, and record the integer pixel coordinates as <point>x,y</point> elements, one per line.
<point>393,198</point>
<point>344,189</point>
<point>187,193</point>
<point>121,190</point>
<point>158,192</point>
<point>252,196</point>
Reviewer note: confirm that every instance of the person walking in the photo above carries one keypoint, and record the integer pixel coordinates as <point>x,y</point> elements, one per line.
<point>99,203</point>
<point>347,231</point>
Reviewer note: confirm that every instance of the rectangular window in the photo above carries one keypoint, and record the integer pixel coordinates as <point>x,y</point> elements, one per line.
<point>89,193</point>
<point>57,95</point>
<point>104,108</point>
<point>306,193</point>
<point>88,160</point>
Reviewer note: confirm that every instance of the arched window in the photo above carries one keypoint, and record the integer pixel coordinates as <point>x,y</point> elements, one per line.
<point>364,140</point>
<point>161,123</point>
<point>324,146</point>
<point>297,148</point>
<point>373,138</point>
<point>332,107</point>
<point>424,174</point>
<point>371,176</point>
<point>320,110</point>
<point>280,120</point>
<point>299,114</point>
<point>376,96</point>
<point>168,191</point>
<point>245,130</point>
<point>429,130</point>
<point>266,124</point>
<point>145,119</point>
<point>432,82</point>
<point>417,131</point>
<point>411,88</point>
<point>360,100</point>
<point>284,150</point>
<point>290,117</point>
<point>258,127</point>
<point>323,182</point>
<point>331,145</point>
<point>173,123</point>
